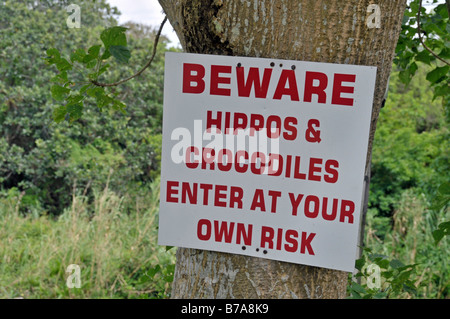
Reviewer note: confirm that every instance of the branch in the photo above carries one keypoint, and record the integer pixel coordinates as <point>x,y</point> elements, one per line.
<point>143,68</point>
<point>419,30</point>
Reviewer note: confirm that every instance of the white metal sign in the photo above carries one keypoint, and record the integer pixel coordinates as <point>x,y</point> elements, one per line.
<point>264,157</point>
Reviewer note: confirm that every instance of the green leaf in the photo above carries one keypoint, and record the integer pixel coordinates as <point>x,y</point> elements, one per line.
<point>63,65</point>
<point>380,295</point>
<point>438,234</point>
<point>84,88</point>
<point>91,64</point>
<point>60,78</point>
<point>358,288</point>
<point>114,36</point>
<point>153,271</point>
<point>443,230</point>
<point>444,188</point>
<point>91,58</point>
<point>95,91</point>
<point>395,263</point>
<point>53,55</point>
<point>94,50</point>
<point>59,113</point>
<point>59,92</point>
<point>103,69</point>
<point>75,111</point>
<point>405,76</point>
<point>105,55</point>
<point>442,10</point>
<point>120,52</point>
<point>438,74</point>
<point>359,263</point>
<point>104,100</point>
<point>119,106</point>
<point>383,263</point>
<point>78,55</point>
<point>74,99</point>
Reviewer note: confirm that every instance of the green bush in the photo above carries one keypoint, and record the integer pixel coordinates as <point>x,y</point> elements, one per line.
<point>46,160</point>
<point>411,146</point>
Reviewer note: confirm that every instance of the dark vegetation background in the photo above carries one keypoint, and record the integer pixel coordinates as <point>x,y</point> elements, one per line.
<point>87,192</point>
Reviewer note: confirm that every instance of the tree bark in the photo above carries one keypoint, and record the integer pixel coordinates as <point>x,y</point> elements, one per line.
<point>333,31</point>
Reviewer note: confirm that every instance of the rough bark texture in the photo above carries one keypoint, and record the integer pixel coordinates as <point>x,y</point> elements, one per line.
<point>333,31</point>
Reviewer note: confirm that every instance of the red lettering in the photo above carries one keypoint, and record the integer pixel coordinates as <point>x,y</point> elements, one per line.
<point>220,193</point>
<point>287,76</point>
<point>306,243</point>
<point>229,158</point>
<point>171,192</point>
<point>208,157</point>
<point>291,238</point>
<point>223,231</point>
<point>288,165</point>
<point>202,233</point>
<point>338,88</point>
<point>319,90</point>
<point>253,126</point>
<point>347,210</point>
<point>258,201</point>
<point>254,161</point>
<point>216,80</point>
<point>210,121</point>
<point>186,190</point>
<point>197,78</point>
<point>236,194</point>
<point>334,209</point>
<point>267,234</point>
<point>291,130</point>
<point>270,132</point>
<point>279,161</point>
<point>330,166</point>
<point>295,202</point>
<point>239,166</point>
<point>205,188</point>
<point>240,122</point>
<point>297,173</point>
<point>189,151</point>
<point>313,169</point>
<point>308,212</point>
<point>246,235</point>
<point>253,80</point>
<point>274,195</point>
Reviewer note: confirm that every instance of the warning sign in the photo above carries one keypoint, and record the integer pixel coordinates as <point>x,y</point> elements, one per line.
<point>264,157</point>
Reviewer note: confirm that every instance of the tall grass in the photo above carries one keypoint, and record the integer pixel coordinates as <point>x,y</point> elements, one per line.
<point>116,251</point>
<point>408,237</point>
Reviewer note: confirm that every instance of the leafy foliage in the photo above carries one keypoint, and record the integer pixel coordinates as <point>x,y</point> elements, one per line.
<point>46,160</point>
<point>410,52</point>
<point>411,146</point>
<point>381,277</point>
<point>407,204</point>
<point>94,64</point>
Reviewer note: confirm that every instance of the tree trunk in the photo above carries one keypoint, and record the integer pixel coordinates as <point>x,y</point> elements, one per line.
<point>334,31</point>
